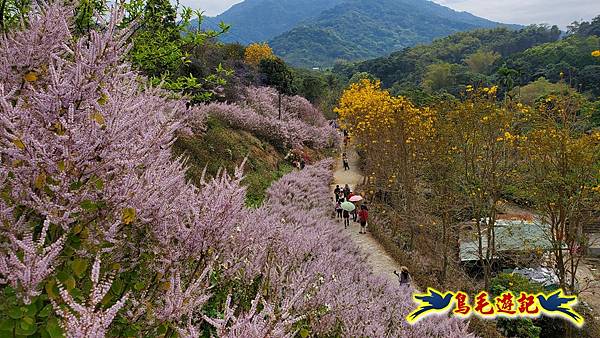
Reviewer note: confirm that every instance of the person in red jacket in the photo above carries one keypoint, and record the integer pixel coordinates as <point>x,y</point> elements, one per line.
<point>363,216</point>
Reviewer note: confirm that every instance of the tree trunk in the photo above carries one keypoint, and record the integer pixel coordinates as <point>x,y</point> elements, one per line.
<point>445,222</point>
<point>2,8</point>
<point>491,243</point>
<point>480,246</point>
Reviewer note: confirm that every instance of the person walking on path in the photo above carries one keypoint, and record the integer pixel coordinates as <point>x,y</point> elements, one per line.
<point>346,191</point>
<point>403,276</point>
<point>336,192</point>
<point>363,216</point>
<point>346,138</point>
<point>338,208</point>
<point>346,215</point>
<point>345,162</point>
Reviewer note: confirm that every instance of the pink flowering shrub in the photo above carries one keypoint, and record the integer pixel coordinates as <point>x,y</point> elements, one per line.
<point>86,175</point>
<point>85,155</point>
<point>301,123</point>
<point>265,101</point>
<point>312,275</point>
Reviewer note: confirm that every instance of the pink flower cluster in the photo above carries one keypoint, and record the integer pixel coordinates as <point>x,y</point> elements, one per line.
<point>88,320</point>
<point>37,263</point>
<point>300,124</point>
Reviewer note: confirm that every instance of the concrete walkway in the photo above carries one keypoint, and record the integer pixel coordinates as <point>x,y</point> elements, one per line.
<point>381,262</point>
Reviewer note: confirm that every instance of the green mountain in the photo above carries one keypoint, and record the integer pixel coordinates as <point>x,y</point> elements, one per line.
<point>528,62</point>
<point>362,29</point>
<point>262,20</point>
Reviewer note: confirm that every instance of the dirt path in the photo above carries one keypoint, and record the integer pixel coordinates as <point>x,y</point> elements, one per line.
<point>381,262</point>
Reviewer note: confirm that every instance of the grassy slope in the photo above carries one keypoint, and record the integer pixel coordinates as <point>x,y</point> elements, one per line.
<point>223,147</point>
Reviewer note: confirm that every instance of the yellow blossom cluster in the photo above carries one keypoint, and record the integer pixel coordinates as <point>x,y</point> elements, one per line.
<point>364,108</point>
<point>372,114</point>
<point>256,52</point>
<point>477,91</point>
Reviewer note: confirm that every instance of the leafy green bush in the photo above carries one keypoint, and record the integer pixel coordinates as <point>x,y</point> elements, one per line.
<point>515,283</point>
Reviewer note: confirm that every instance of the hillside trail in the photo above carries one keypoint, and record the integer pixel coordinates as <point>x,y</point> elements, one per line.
<point>382,263</point>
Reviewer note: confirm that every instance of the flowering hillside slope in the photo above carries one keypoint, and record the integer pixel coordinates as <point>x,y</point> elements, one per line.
<point>102,235</point>
<point>301,124</point>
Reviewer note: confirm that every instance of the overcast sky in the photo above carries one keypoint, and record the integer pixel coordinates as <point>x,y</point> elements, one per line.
<point>211,7</point>
<point>555,12</point>
<point>558,12</point>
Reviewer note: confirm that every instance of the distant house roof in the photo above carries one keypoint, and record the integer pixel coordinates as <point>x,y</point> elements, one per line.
<point>511,236</point>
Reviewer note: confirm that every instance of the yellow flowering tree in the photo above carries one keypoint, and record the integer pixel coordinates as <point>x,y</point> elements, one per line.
<point>364,110</point>
<point>483,136</point>
<point>596,53</point>
<point>441,172</point>
<point>390,133</point>
<point>561,157</point>
<point>255,52</point>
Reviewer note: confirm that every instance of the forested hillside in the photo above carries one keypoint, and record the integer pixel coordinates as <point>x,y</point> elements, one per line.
<point>410,64</point>
<point>156,181</point>
<point>567,59</point>
<point>262,20</point>
<point>501,56</point>
<point>362,29</point>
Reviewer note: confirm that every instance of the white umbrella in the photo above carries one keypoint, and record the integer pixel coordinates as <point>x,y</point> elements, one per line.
<point>348,206</point>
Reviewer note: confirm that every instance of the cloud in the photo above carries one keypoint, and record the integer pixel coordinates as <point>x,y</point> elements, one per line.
<point>554,12</point>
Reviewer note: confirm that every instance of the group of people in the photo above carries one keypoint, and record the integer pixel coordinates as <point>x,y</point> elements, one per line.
<point>359,214</point>
<point>298,157</point>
